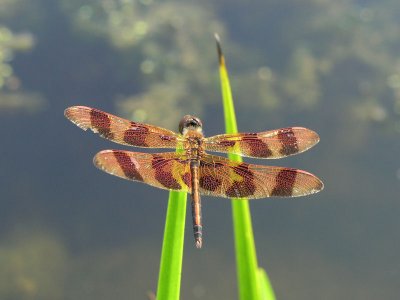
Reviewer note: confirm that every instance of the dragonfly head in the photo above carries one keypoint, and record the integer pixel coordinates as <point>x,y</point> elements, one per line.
<point>189,122</point>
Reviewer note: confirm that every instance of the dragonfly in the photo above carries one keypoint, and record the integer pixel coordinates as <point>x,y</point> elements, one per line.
<point>192,169</point>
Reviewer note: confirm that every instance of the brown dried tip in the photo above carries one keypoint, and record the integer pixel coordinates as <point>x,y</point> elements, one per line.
<point>219,49</point>
<point>199,243</point>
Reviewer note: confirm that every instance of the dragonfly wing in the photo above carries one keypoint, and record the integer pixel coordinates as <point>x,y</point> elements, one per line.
<point>268,144</point>
<point>168,170</point>
<point>120,130</point>
<point>225,178</point>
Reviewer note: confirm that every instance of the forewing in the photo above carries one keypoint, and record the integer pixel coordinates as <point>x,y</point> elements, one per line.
<point>225,178</point>
<point>268,144</point>
<point>169,170</point>
<point>120,130</point>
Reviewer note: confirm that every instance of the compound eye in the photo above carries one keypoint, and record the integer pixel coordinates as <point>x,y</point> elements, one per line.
<point>196,122</point>
<point>189,121</point>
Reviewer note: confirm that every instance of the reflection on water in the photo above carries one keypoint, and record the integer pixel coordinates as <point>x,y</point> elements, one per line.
<point>34,265</point>
<point>21,102</point>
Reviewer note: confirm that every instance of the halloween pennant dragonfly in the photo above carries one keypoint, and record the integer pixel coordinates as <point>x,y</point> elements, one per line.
<point>194,171</point>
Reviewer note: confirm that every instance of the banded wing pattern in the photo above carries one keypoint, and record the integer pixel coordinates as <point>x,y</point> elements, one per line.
<point>268,144</point>
<point>218,176</point>
<point>222,177</point>
<point>163,170</point>
<point>120,130</point>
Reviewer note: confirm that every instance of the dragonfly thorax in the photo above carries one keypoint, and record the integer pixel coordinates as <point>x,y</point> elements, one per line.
<point>194,144</point>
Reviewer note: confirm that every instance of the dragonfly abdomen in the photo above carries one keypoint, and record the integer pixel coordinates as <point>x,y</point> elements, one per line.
<point>196,204</point>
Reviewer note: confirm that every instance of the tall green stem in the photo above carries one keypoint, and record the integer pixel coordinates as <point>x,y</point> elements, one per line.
<point>169,280</point>
<point>252,283</point>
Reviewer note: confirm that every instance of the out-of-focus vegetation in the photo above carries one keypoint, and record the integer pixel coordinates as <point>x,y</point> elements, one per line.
<point>341,54</point>
<point>304,49</point>
<point>33,266</point>
<point>168,44</point>
<point>12,97</point>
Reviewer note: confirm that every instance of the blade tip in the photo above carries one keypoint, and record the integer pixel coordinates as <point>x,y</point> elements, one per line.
<point>219,49</point>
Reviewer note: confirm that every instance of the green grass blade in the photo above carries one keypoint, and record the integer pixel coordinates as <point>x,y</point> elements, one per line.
<point>246,258</point>
<point>266,291</point>
<point>169,278</point>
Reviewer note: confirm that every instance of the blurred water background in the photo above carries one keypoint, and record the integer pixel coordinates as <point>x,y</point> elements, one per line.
<point>68,231</point>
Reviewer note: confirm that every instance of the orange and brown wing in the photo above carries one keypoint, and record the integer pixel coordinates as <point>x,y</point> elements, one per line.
<point>268,144</point>
<point>169,170</point>
<point>120,130</point>
<point>221,177</point>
